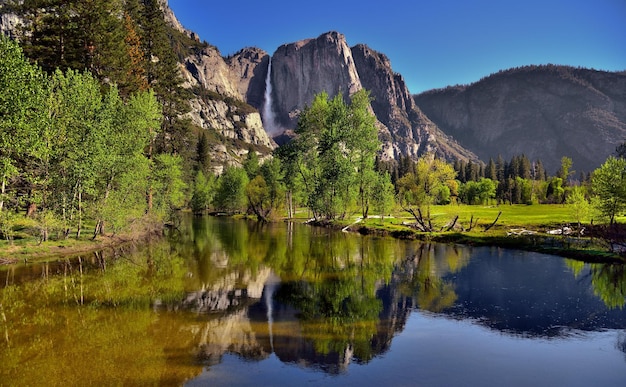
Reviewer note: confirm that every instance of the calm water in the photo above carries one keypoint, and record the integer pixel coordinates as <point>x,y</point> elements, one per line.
<point>225,302</point>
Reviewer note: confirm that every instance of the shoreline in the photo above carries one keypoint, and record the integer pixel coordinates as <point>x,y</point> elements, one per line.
<point>54,249</point>
<point>552,245</point>
<point>535,243</point>
<point>545,244</point>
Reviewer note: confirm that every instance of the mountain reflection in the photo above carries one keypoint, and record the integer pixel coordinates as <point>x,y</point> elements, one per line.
<point>342,298</point>
<point>311,297</point>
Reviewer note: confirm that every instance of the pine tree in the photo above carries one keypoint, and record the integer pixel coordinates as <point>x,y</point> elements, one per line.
<point>491,171</point>
<point>163,75</point>
<point>134,78</point>
<point>540,172</point>
<point>524,167</point>
<point>203,158</point>
<point>76,34</point>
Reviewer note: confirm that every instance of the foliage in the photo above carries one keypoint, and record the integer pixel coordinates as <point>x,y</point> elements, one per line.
<point>609,185</point>
<point>251,164</point>
<point>230,195</point>
<point>609,283</point>
<point>333,154</point>
<point>578,204</point>
<point>478,192</point>
<point>23,94</point>
<point>266,190</point>
<point>430,184</point>
<point>203,191</point>
<point>168,184</point>
<point>72,150</point>
<point>383,195</point>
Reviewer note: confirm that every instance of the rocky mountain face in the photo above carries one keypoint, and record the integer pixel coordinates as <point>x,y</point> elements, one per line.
<point>544,112</point>
<point>302,69</point>
<point>219,89</point>
<point>299,71</point>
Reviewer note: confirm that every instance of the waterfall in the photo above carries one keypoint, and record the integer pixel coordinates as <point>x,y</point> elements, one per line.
<point>269,120</point>
<point>270,288</point>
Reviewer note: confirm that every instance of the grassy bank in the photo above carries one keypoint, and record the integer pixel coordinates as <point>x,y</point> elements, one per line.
<point>518,227</point>
<point>27,248</point>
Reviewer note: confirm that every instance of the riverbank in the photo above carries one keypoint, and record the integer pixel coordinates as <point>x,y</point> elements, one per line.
<point>30,250</point>
<point>518,227</point>
<point>569,246</point>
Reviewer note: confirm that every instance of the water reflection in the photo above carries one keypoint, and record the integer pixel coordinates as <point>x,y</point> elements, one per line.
<point>310,297</point>
<point>342,298</point>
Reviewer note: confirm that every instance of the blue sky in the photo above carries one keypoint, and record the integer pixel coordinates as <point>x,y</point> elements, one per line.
<point>432,43</point>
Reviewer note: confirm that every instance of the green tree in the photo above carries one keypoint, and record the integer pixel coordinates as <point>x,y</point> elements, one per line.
<point>78,34</point>
<point>125,177</point>
<point>362,142</point>
<point>478,192</point>
<point>334,154</point>
<point>23,101</point>
<point>292,168</point>
<point>564,171</point>
<point>81,125</point>
<point>523,191</point>
<point>169,186</point>
<point>555,192</point>
<point>383,194</point>
<point>230,195</point>
<point>203,157</point>
<point>609,185</point>
<point>163,75</point>
<point>251,164</point>
<point>428,186</point>
<point>578,204</point>
<point>203,191</point>
<point>265,192</point>
<point>491,172</point>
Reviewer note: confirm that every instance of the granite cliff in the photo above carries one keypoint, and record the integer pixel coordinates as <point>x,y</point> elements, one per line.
<point>304,68</point>
<point>543,112</point>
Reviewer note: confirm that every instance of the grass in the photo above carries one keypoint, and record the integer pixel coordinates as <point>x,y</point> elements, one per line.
<point>27,247</point>
<point>537,218</point>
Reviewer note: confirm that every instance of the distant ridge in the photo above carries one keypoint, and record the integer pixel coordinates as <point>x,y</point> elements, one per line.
<point>542,111</point>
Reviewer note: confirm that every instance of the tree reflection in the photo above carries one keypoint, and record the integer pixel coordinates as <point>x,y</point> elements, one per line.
<point>424,270</point>
<point>607,279</point>
<point>609,283</point>
<point>82,324</point>
<point>337,298</point>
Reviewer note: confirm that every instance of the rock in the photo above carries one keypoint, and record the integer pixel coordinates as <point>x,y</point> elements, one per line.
<point>303,69</point>
<point>544,112</point>
<point>249,69</point>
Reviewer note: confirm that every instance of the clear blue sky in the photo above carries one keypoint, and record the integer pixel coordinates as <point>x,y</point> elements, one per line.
<point>432,43</point>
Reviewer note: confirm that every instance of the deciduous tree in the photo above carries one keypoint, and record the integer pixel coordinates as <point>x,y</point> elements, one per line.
<point>609,185</point>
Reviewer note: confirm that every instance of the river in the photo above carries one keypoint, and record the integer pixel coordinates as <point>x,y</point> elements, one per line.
<point>230,302</point>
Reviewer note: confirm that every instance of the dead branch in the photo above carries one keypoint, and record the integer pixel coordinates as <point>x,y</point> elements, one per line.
<point>451,226</point>
<point>494,222</point>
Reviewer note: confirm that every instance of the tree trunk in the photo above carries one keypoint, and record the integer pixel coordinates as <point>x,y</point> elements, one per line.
<point>80,214</point>
<point>289,205</point>
<point>2,191</point>
<point>99,229</point>
<point>32,208</point>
